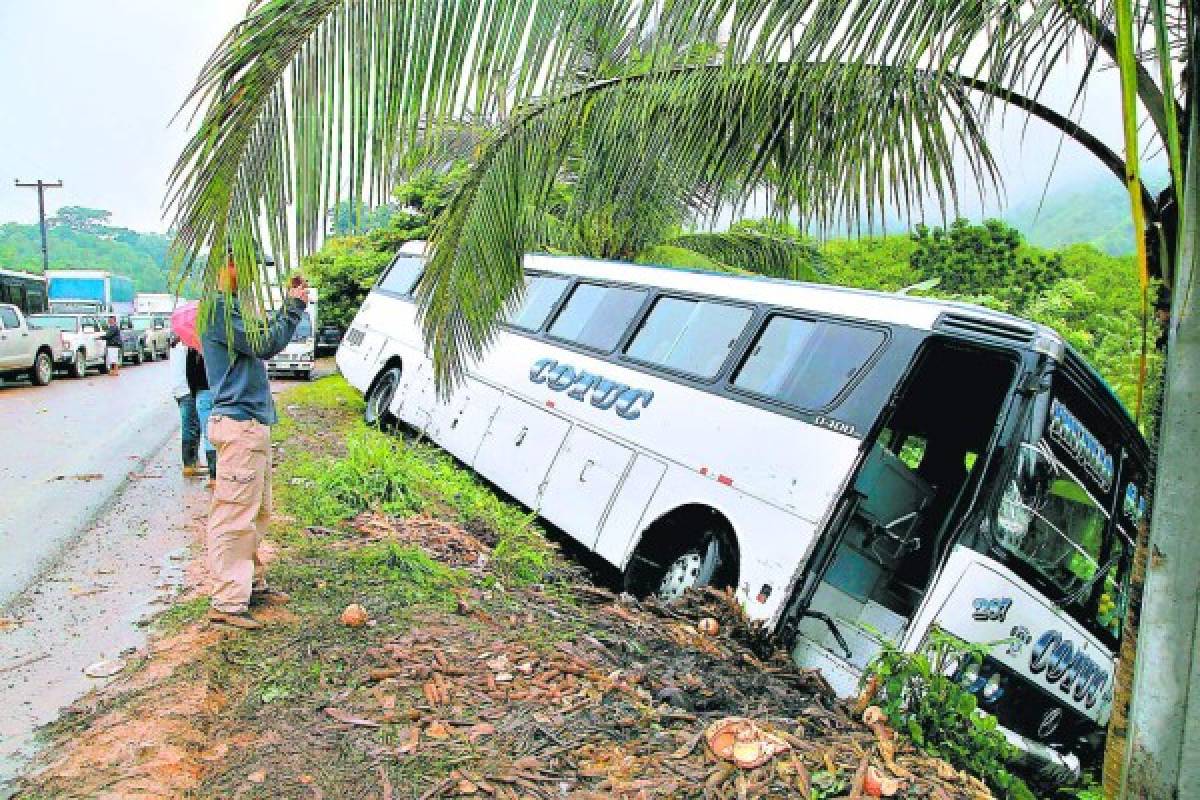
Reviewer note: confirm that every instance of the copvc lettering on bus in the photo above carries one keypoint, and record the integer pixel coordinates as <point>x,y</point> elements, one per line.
<point>1070,668</point>
<point>582,385</point>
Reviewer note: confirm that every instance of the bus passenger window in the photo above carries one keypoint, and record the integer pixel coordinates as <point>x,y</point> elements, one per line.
<point>597,316</point>
<point>541,293</point>
<point>804,363</point>
<point>402,275</point>
<point>689,336</point>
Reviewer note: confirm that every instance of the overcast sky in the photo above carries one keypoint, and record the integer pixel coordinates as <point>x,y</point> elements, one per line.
<point>88,89</point>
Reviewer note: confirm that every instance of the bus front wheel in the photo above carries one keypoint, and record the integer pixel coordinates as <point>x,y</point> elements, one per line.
<point>379,400</point>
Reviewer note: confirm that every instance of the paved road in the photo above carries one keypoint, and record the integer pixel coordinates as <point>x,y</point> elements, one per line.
<point>65,449</point>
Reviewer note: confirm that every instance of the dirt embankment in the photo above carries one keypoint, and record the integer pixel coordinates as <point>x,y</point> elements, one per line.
<point>486,666</point>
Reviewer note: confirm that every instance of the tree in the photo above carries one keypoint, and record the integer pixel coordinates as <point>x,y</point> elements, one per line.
<point>79,218</point>
<point>988,259</point>
<point>870,117</point>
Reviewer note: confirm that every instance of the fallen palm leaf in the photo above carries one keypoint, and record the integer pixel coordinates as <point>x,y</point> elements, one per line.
<point>347,718</point>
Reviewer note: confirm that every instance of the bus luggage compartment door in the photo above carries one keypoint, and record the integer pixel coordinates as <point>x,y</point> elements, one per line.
<point>582,481</point>
<point>519,448</point>
<point>459,425</point>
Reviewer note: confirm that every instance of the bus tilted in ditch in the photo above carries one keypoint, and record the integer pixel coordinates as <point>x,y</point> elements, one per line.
<point>861,467</point>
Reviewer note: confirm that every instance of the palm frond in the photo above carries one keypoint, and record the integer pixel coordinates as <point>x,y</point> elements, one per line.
<point>839,141</point>
<point>761,254</point>
<point>306,102</point>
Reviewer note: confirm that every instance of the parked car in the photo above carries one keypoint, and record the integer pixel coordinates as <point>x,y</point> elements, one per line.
<point>25,350</point>
<point>172,337</point>
<point>297,358</point>
<point>155,335</point>
<point>84,335</point>
<point>132,341</point>
<point>328,339</point>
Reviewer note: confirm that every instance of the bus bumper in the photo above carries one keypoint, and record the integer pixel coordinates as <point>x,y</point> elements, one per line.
<point>1046,764</point>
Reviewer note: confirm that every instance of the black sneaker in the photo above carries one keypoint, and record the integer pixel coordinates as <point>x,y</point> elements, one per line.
<point>268,597</point>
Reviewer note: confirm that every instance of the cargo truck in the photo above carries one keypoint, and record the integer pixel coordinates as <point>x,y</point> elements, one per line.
<point>85,291</point>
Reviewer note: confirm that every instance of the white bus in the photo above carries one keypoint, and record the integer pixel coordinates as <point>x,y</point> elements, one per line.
<point>859,466</point>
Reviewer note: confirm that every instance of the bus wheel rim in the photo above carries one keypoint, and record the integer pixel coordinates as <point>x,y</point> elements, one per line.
<point>681,575</point>
<point>383,398</point>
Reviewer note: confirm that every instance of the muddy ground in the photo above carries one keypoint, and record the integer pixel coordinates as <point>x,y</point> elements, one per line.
<point>483,664</point>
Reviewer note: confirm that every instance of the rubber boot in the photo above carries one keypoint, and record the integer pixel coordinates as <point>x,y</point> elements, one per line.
<point>189,452</point>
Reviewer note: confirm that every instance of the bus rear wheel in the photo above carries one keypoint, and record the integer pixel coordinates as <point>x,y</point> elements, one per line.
<point>379,400</point>
<point>668,569</point>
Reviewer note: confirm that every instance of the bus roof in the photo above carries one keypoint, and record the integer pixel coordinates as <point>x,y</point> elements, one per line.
<point>16,273</point>
<point>865,304</point>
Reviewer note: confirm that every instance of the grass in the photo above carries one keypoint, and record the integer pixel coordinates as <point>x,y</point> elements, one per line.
<point>181,614</point>
<point>333,467</point>
<point>391,475</point>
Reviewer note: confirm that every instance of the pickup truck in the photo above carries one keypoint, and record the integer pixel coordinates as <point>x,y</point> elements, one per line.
<point>85,338</point>
<point>25,350</point>
<point>155,335</point>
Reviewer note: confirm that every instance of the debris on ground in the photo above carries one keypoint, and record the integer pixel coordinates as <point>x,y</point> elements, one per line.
<point>104,668</point>
<point>649,699</point>
<point>473,688</point>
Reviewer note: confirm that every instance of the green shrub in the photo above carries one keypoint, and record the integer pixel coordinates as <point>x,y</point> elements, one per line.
<point>941,716</point>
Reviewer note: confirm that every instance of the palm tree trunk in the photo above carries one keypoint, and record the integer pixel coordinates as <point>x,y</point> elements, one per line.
<point>1165,713</point>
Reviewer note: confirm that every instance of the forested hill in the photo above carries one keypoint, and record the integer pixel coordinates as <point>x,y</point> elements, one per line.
<point>1097,215</point>
<point>82,238</point>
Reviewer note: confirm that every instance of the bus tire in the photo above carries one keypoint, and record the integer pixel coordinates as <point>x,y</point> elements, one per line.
<point>667,567</point>
<point>379,400</point>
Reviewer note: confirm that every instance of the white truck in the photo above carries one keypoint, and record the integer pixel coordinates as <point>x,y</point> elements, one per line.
<point>300,354</point>
<point>154,303</point>
<point>25,350</point>
<point>84,336</point>
<point>155,335</point>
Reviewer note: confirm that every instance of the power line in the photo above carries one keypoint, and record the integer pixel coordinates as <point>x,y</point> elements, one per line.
<point>41,187</point>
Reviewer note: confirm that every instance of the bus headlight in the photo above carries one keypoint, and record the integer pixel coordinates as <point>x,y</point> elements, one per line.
<point>993,689</point>
<point>970,677</point>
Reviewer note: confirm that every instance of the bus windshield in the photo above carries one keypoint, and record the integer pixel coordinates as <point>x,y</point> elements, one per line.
<point>1049,523</point>
<point>1048,519</point>
<point>67,324</point>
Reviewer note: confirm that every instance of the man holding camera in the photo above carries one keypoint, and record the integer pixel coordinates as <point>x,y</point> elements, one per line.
<point>239,428</point>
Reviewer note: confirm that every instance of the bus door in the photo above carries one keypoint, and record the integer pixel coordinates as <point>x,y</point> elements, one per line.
<point>879,557</point>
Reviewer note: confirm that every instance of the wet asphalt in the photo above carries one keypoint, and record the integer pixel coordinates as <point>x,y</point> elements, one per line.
<point>97,528</point>
<point>65,449</point>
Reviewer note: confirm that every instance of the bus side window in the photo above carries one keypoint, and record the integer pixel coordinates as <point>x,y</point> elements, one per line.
<point>402,275</point>
<point>541,293</point>
<point>689,336</point>
<point>912,452</point>
<point>806,363</point>
<point>597,316</point>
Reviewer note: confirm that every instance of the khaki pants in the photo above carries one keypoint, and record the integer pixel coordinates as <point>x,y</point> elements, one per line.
<point>240,510</point>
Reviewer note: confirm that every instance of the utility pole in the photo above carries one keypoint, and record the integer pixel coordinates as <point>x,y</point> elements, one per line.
<point>41,187</point>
